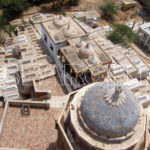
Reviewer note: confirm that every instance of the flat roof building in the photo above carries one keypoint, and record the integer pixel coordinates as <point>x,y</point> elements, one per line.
<point>57,31</point>
<point>127,65</point>
<point>144,33</point>
<point>84,60</point>
<point>35,130</point>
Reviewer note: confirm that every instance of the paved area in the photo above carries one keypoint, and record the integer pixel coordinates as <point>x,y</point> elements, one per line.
<point>35,132</point>
<point>58,101</point>
<point>53,84</point>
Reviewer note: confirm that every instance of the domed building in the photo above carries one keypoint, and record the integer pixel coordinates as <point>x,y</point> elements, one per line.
<point>61,21</point>
<point>84,61</point>
<point>86,51</point>
<point>101,116</point>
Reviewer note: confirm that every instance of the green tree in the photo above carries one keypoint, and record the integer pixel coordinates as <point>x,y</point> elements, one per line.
<point>122,34</point>
<point>108,10</point>
<point>14,8</point>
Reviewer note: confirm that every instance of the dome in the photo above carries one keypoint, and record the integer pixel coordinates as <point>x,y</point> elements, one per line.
<point>68,31</point>
<point>92,60</point>
<point>80,44</point>
<point>109,110</point>
<point>86,51</point>
<point>61,21</point>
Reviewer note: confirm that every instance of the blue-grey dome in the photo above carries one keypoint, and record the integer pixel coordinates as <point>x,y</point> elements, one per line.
<point>107,116</point>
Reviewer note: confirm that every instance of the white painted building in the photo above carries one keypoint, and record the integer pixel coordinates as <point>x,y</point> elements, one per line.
<point>57,31</point>
<point>144,32</point>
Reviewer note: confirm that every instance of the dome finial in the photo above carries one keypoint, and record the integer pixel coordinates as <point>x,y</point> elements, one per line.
<point>68,26</point>
<point>87,45</point>
<point>116,94</point>
<point>60,17</point>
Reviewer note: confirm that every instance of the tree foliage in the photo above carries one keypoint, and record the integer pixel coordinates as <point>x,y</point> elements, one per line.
<point>13,8</point>
<point>4,3</point>
<point>109,9</point>
<point>122,34</point>
<point>38,2</point>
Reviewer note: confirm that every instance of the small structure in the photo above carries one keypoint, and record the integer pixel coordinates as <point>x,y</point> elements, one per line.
<point>25,110</point>
<point>91,18</point>
<point>39,18</point>
<point>144,33</point>
<point>129,68</point>
<point>84,59</point>
<point>35,69</point>
<point>128,4</point>
<point>88,15</point>
<point>57,31</point>
<point>140,65</point>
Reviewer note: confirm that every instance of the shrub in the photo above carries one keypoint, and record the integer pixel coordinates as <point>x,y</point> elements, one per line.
<point>122,34</point>
<point>108,10</point>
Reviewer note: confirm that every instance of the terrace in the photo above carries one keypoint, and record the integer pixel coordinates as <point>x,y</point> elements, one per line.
<point>61,28</point>
<point>126,64</point>
<point>50,84</point>
<point>33,131</point>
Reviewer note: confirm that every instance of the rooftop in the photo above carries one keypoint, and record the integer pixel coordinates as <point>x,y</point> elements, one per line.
<point>99,53</point>
<point>37,69</point>
<point>88,14</point>
<point>36,131</point>
<point>126,64</point>
<point>146,27</point>
<point>58,32</point>
<point>85,55</point>
<point>51,84</point>
<point>114,103</point>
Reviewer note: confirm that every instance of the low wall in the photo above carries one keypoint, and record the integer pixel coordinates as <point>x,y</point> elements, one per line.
<point>31,103</point>
<point>19,103</point>
<point>4,117</point>
<point>4,148</point>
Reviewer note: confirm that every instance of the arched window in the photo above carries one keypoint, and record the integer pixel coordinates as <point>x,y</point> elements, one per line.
<point>51,47</point>
<point>45,38</point>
